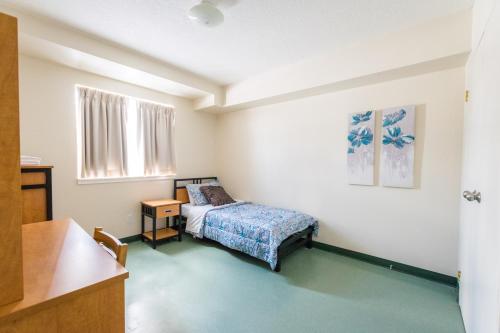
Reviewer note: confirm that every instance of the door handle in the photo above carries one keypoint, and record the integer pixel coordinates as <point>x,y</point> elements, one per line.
<point>472,196</point>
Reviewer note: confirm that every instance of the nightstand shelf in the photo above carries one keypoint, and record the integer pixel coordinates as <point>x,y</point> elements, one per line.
<point>161,234</point>
<point>165,208</point>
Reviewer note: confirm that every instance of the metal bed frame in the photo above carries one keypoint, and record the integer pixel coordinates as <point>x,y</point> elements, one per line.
<point>298,239</point>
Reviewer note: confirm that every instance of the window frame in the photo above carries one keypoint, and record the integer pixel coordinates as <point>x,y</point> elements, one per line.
<point>104,180</point>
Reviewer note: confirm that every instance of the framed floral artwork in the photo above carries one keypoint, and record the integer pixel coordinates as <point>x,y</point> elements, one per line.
<point>360,150</point>
<point>398,147</point>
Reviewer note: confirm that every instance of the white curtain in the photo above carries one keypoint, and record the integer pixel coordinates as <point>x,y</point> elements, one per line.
<point>156,138</point>
<point>103,134</point>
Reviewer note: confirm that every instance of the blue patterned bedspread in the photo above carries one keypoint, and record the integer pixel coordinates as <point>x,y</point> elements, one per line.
<point>256,230</point>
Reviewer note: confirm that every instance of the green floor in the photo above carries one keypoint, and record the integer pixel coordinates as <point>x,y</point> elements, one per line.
<point>193,286</point>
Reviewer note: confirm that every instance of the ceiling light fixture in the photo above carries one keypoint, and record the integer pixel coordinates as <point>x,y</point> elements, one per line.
<point>205,13</point>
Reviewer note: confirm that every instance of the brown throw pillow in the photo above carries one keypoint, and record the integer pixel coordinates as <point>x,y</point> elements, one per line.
<point>216,195</point>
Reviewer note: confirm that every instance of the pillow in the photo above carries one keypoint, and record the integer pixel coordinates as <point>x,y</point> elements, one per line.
<point>195,196</point>
<point>216,195</point>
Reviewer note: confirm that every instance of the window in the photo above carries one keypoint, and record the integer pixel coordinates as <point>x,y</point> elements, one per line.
<point>123,138</point>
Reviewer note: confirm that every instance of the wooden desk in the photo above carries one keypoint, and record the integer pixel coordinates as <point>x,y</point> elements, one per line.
<point>71,284</point>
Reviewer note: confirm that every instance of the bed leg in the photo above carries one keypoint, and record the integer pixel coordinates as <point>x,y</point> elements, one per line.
<point>277,269</point>
<point>309,243</point>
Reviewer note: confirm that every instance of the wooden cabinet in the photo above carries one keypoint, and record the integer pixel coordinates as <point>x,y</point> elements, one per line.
<point>36,184</point>
<point>156,209</point>
<point>11,277</point>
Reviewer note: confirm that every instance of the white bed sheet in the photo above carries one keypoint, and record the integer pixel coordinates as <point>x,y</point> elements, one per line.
<point>185,209</point>
<point>195,215</point>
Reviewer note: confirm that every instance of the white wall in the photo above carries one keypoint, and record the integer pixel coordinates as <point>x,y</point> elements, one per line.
<point>293,155</point>
<point>48,125</point>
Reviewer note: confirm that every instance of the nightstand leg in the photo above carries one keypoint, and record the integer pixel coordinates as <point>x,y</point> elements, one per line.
<point>154,232</point>
<point>179,224</point>
<point>142,227</point>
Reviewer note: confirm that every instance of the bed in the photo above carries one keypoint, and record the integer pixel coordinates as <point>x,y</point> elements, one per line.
<point>263,232</point>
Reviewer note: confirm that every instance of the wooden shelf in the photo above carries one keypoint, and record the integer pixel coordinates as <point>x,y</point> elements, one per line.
<point>29,166</point>
<point>163,202</point>
<point>161,234</point>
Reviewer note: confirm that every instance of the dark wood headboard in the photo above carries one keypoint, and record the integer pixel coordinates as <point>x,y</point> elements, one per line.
<point>180,192</point>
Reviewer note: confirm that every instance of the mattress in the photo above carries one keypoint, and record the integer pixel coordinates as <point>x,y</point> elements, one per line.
<point>257,230</point>
<point>186,209</point>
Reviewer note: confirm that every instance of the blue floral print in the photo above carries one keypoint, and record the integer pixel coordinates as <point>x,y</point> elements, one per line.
<point>361,117</point>
<point>396,137</point>
<point>257,230</point>
<point>392,118</point>
<point>359,136</point>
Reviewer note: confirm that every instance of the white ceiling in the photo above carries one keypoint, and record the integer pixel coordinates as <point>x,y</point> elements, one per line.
<point>257,35</point>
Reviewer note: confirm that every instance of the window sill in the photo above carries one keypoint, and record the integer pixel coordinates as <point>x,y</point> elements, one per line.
<point>87,181</point>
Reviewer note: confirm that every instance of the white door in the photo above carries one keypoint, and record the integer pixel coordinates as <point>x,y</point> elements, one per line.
<point>480,222</point>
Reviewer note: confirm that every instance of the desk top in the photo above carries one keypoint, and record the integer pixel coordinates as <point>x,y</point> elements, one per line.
<point>25,166</point>
<point>60,260</point>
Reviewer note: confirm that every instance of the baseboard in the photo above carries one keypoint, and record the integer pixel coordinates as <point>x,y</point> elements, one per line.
<point>397,266</point>
<point>130,239</point>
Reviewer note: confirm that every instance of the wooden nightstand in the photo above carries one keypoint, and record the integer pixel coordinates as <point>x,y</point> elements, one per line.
<point>157,209</point>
